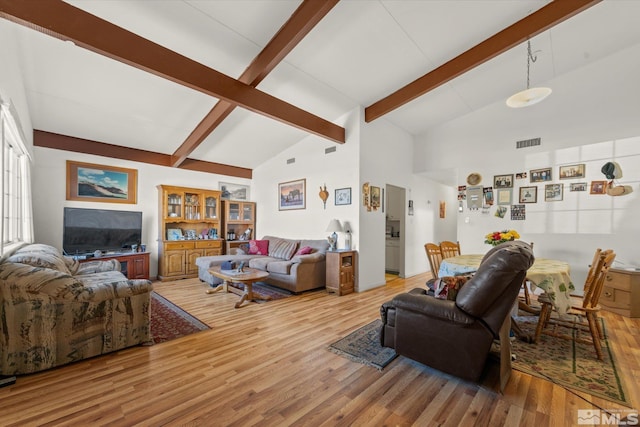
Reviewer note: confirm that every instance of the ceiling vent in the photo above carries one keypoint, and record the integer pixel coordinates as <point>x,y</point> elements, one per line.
<point>291,160</point>
<point>528,143</point>
<point>329,150</point>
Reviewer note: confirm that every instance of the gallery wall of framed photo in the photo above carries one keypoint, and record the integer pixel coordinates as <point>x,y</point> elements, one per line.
<point>514,194</point>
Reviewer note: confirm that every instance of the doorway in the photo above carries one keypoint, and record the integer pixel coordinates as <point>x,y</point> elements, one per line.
<point>394,230</point>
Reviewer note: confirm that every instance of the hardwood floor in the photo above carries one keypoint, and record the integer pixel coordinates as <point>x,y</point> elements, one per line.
<point>268,364</point>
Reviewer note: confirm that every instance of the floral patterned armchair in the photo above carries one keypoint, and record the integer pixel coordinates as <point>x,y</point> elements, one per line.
<point>54,310</point>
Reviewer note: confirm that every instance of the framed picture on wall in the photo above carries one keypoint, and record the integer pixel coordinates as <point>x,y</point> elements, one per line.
<point>230,191</point>
<point>572,171</point>
<point>343,196</point>
<point>88,182</point>
<point>578,186</point>
<point>553,192</point>
<point>375,197</point>
<point>504,196</point>
<point>292,195</point>
<point>528,195</point>
<point>598,187</point>
<point>503,181</point>
<point>540,175</point>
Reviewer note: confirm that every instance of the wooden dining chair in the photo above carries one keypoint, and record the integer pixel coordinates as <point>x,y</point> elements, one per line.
<point>435,258</point>
<point>584,315</point>
<point>449,249</point>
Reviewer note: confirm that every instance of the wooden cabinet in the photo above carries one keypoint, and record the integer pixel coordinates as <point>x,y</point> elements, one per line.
<point>134,265</point>
<point>341,271</point>
<point>621,292</point>
<point>238,217</point>
<point>189,228</point>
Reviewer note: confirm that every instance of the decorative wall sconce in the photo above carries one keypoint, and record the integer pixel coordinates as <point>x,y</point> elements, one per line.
<point>324,195</point>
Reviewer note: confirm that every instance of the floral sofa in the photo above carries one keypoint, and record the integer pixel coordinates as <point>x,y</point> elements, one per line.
<point>54,310</point>
<point>294,265</point>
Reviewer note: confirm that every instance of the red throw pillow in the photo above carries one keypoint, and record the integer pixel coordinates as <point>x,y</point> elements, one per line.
<point>259,247</point>
<point>304,250</point>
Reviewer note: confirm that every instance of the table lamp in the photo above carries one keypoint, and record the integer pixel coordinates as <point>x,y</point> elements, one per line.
<point>333,227</point>
<point>347,235</point>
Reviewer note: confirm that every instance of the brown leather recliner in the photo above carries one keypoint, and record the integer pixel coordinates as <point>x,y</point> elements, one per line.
<point>455,336</point>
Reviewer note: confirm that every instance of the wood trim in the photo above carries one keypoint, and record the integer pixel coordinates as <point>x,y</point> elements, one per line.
<point>79,145</point>
<point>66,22</point>
<point>539,21</point>
<point>303,20</point>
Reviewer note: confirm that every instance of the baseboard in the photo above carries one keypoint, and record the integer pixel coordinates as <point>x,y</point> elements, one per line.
<point>6,380</point>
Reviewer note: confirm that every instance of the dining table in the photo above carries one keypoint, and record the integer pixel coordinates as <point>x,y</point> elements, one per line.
<point>550,275</point>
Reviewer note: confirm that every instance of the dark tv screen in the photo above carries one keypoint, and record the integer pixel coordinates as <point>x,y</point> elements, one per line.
<point>88,230</point>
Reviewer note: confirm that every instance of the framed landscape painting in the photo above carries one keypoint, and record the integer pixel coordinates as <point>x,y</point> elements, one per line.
<point>90,182</point>
<point>230,191</point>
<point>292,195</point>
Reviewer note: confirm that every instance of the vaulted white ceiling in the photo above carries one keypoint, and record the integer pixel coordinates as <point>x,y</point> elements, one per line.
<point>362,51</point>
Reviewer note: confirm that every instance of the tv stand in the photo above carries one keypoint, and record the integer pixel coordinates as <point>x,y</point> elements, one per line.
<point>134,265</point>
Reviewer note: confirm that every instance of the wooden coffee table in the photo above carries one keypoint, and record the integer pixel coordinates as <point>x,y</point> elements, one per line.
<point>247,277</point>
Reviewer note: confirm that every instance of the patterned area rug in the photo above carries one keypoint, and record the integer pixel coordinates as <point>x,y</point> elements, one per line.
<point>363,346</point>
<point>569,364</point>
<point>168,321</point>
<point>566,363</point>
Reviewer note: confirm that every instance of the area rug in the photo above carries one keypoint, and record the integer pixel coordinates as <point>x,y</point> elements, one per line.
<point>263,292</point>
<point>363,346</point>
<point>168,321</point>
<point>569,364</point>
<point>563,362</point>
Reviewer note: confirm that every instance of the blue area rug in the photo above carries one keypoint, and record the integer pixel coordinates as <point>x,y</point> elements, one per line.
<point>363,346</point>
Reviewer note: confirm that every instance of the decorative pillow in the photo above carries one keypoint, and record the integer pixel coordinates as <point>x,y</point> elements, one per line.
<point>283,249</point>
<point>259,247</point>
<point>448,287</point>
<point>305,250</point>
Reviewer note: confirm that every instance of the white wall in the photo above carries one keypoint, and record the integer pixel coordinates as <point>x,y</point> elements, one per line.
<point>49,194</point>
<point>387,158</point>
<point>11,83</point>
<point>377,153</point>
<point>586,120</point>
<point>338,169</point>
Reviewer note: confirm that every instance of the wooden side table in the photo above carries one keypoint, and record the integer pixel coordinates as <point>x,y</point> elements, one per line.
<point>341,271</point>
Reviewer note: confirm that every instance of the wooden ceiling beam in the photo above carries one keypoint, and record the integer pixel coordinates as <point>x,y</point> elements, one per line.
<point>86,146</point>
<point>66,22</point>
<point>303,20</point>
<point>546,17</point>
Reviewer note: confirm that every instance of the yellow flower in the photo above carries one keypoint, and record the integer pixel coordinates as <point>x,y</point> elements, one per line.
<point>497,237</point>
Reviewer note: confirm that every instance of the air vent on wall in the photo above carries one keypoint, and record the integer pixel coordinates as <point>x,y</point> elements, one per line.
<point>291,160</point>
<point>528,143</point>
<point>329,150</point>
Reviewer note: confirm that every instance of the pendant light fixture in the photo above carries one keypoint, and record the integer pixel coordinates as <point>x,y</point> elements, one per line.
<point>530,96</point>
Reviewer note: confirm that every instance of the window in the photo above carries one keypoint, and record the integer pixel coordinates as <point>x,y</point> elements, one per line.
<point>17,220</point>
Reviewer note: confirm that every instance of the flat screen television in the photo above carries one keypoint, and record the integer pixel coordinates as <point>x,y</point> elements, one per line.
<point>88,230</point>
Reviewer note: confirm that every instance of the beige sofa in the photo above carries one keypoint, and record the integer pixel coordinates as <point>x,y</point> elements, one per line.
<point>296,273</point>
<point>54,310</point>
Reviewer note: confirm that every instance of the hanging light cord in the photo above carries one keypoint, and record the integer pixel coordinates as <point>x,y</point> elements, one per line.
<point>530,59</point>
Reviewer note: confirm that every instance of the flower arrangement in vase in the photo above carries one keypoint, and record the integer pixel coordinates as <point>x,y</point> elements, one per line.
<point>496,237</point>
